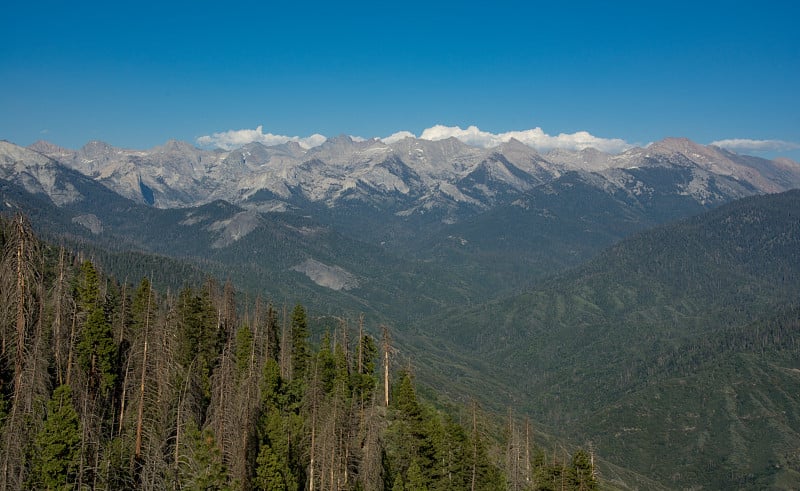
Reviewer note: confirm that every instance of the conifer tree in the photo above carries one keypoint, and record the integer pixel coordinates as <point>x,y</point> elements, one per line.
<point>244,349</point>
<point>583,478</point>
<point>364,380</point>
<point>273,348</point>
<point>272,473</point>
<point>96,348</point>
<point>300,348</point>
<point>200,341</point>
<point>56,448</point>
<point>415,479</point>
<point>204,468</point>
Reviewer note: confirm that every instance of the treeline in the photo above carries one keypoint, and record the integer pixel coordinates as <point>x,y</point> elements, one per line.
<point>109,386</point>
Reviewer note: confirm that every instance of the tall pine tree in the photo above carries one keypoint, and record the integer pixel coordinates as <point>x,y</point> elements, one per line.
<point>55,458</point>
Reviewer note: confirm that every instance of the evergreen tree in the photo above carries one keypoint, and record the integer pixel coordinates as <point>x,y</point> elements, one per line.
<point>55,458</point>
<point>244,350</point>
<point>96,348</point>
<point>271,386</point>
<point>273,334</point>
<point>363,378</point>
<point>583,471</point>
<point>407,434</point>
<point>300,347</point>
<point>143,308</point>
<point>326,365</point>
<point>272,473</point>
<point>204,470</point>
<point>416,480</point>
<point>88,287</point>
<point>200,340</point>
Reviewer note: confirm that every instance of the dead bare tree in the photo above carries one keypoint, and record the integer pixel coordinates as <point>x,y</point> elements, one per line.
<point>22,293</point>
<point>386,349</point>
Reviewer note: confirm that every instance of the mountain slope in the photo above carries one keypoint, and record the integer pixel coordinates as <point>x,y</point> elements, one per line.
<point>427,173</point>
<point>621,344</point>
<point>422,235</point>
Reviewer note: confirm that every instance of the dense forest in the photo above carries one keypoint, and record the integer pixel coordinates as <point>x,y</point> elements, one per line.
<point>111,385</point>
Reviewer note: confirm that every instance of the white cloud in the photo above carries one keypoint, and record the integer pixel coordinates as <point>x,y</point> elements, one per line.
<point>535,138</point>
<point>312,141</point>
<point>748,145</point>
<point>396,137</point>
<point>228,140</point>
<point>472,135</point>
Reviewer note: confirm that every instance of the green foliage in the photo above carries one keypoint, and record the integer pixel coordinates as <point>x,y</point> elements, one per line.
<point>369,352</point>
<point>273,334</point>
<point>143,306</point>
<point>244,350</point>
<point>205,471</point>
<point>160,422</point>
<point>200,339</point>
<point>118,472</point>
<point>271,386</point>
<point>88,287</point>
<point>300,347</point>
<point>583,477</point>
<point>279,427</point>
<point>624,340</point>
<point>405,399</point>
<point>427,450</point>
<point>96,348</point>
<point>272,473</point>
<point>365,381</point>
<point>56,453</point>
<point>399,484</point>
<point>326,365</point>
<point>416,481</point>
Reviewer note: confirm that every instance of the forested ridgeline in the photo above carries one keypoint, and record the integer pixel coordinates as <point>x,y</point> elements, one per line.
<point>106,385</point>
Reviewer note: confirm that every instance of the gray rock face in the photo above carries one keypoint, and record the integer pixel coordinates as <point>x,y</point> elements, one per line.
<point>333,277</point>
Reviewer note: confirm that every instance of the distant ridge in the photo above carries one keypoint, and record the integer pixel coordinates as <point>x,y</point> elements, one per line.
<point>342,169</point>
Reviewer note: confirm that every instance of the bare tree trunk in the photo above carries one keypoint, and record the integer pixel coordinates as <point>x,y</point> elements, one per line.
<point>286,358</point>
<point>528,451</point>
<point>84,437</point>
<point>71,344</point>
<point>140,413</point>
<point>21,285</point>
<point>178,422</point>
<point>511,455</point>
<point>474,444</point>
<point>124,396</point>
<point>313,430</point>
<point>360,344</point>
<point>20,294</point>
<point>58,317</point>
<point>386,348</point>
<point>122,311</point>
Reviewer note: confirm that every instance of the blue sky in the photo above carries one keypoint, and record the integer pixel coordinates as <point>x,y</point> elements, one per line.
<point>135,74</point>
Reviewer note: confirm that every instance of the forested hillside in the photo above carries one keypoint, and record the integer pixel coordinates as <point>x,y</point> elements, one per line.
<point>109,385</point>
<point>675,351</point>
